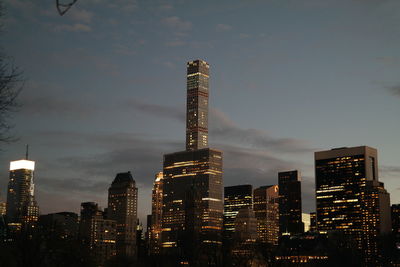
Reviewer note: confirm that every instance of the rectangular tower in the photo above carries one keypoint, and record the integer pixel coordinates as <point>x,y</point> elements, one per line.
<point>192,211</point>
<point>290,221</point>
<point>266,209</point>
<point>197,105</point>
<point>21,205</point>
<point>156,215</point>
<point>349,196</point>
<point>122,207</point>
<point>235,198</point>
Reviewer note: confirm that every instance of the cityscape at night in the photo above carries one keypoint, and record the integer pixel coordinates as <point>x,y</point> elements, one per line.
<point>187,133</point>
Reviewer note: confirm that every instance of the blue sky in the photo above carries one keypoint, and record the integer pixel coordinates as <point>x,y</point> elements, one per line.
<point>105,89</point>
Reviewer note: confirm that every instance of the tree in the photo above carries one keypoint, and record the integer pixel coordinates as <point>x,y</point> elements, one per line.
<point>10,87</point>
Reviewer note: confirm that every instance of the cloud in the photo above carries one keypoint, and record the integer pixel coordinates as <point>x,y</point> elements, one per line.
<point>157,110</point>
<point>177,24</point>
<point>223,27</point>
<point>77,27</point>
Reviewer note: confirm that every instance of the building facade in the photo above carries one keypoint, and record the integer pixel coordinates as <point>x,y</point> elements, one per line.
<point>22,209</point>
<point>122,208</point>
<point>235,198</point>
<point>62,225</point>
<point>290,220</point>
<point>266,210</point>
<point>192,212</point>
<point>156,215</point>
<point>97,233</point>
<point>350,198</point>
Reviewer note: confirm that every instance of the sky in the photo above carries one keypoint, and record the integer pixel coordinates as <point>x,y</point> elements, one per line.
<point>105,89</point>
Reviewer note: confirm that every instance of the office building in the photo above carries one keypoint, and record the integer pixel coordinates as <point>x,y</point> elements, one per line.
<point>122,207</point>
<point>3,208</point>
<point>395,210</point>
<point>235,198</point>
<point>61,225</point>
<point>350,198</point>
<point>313,222</point>
<point>21,209</point>
<point>266,210</point>
<point>192,211</point>
<point>156,215</point>
<point>245,236</point>
<point>290,221</point>
<point>97,233</point>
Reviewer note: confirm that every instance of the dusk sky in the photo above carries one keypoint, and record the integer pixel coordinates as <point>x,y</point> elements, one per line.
<point>105,89</point>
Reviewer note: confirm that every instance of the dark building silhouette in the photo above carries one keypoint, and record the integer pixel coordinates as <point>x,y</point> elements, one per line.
<point>350,198</point>
<point>290,221</point>
<point>22,209</point>
<point>235,198</point>
<point>122,208</point>
<point>192,211</point>
<point>266,210</point>
<point>313,222</point>
<point>395,210</point>
<point>97,233</point>
<point>62,225</point>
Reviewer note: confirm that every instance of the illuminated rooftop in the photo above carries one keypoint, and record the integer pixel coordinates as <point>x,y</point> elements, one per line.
<point>22,164</point>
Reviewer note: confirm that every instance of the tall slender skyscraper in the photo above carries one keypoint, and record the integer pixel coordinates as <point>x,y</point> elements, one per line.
<point>197,105</point>
<point>266,209</point>
<point>156,215</point>
<point>22,209</point>
<point>122,207</point>
<point>290,221</point>
<point>192,184</point>
<point>350,198</point>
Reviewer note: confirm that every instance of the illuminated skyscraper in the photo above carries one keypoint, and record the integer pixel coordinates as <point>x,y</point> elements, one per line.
<point>122,207</point>
<point>156,215</point>
<point>395,210</point>
<point>192,211</point>
<point>350,198</point>
<point>22,209</point>
<point>235,198</point>
<point>197,105</point>
<point>266,209</point>
<point>290,221</point>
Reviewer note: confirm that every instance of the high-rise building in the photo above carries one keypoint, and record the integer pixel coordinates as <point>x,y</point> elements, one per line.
<point>22,209</point>
<point>97,232</point>
<point>290,221</point>
<point>197,105</point>
<point>192,211</point>
<point>235,198</point>
<point>350,198</point>
<point>156,215</point>
<point>266,210</point>
<point>3,208</point>
<point>395,210</point>
<point>122,207</point>
<point>245,235</point>
<point>313,222</point>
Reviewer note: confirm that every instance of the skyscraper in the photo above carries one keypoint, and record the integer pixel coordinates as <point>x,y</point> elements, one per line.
<point>156,215</point>
<point>22,209</point>
<point>290,221</point>
<point>236,198</point>
<point>266,210</point>
<point>122,207</point>
<point>395,210</point>
<point>192,185</point>
<point>350,198</point>
<point>197,105</point>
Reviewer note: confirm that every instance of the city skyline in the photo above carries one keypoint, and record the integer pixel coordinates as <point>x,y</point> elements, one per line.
<point>250,119</point>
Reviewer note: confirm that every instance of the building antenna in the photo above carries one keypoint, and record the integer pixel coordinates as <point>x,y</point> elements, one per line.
<point>27,151</point>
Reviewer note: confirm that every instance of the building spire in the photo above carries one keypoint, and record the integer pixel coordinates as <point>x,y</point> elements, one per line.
<point>27,151</point>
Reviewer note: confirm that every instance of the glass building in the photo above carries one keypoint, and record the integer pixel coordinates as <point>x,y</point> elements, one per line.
<point>192,211</point>
<point>290,220</point>
<point>266,209</point>
<point>235,198</point>
<point>350,198</point>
